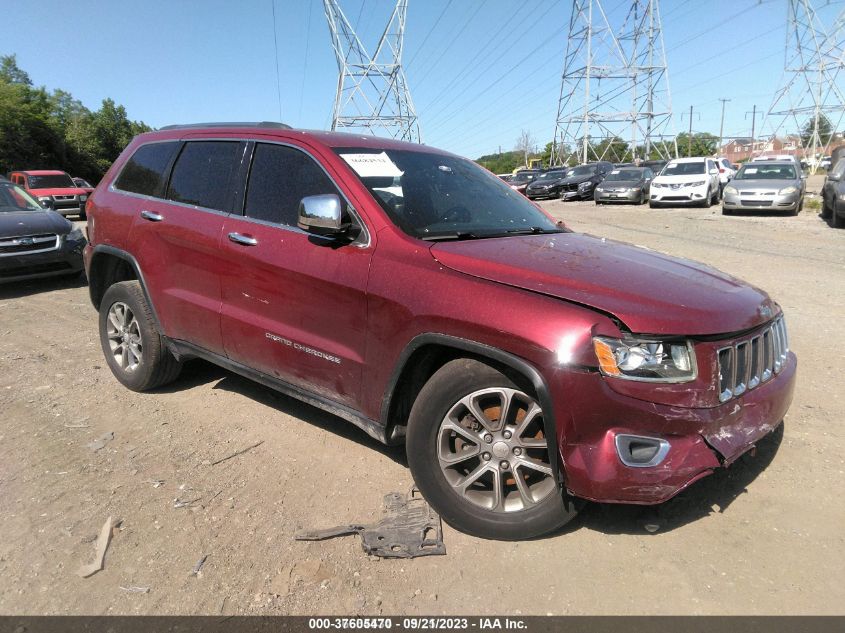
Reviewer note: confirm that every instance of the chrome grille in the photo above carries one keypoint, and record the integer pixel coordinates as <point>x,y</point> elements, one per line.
<point>750,362</point>
<point>27,244</point>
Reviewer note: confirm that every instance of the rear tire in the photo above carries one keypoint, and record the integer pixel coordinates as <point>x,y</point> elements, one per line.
<point>468,464</point>
<point>825,209</point>
<point>134,349</point>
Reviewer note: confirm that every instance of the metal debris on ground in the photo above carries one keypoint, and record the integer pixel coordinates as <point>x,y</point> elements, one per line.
<point>102,545</point>
<point>136,589</point>
<point>197,570</point>
<point>410,528</point>
<point>179,503</point>
<point>236,453</point>
<point>101,441</point>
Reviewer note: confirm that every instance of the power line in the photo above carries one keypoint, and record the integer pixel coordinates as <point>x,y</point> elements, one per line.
<point>305,62</point>
<point>430,31</point>
<point>276,58</point>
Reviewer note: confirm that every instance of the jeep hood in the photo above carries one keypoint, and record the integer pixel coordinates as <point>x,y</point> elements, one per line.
<point>649,292</point>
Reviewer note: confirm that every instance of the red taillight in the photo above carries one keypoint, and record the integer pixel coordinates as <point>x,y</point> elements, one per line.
<point>721,170</point>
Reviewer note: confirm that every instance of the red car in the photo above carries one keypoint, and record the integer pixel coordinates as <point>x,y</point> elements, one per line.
<point>416,295</point>
<point>54,189</point>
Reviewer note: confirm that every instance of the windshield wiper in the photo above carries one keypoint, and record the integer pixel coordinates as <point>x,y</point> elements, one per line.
<point>457,235</point>
<point>534,230</point>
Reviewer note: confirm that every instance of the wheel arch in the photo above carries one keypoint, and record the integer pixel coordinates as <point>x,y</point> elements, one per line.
<point>110,265</point>
<point>426,353</point>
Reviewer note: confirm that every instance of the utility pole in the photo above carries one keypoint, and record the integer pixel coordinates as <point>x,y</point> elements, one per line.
<point>722,124</point>
<point>753,114</point>
<point>614,85</point>
<point>372,92</point>
<point>689,137</point>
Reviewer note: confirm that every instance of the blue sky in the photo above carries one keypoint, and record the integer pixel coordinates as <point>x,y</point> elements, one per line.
<point>180,61</point>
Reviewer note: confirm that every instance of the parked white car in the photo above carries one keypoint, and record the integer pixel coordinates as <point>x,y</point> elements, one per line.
<point>726,171</point>
<point>686,181</point>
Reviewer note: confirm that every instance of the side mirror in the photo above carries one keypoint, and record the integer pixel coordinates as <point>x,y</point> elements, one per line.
<point>321,214</point>
<point>830,177</point>
<point>714,172</point>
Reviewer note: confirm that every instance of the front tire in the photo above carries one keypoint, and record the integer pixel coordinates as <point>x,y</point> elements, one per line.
<point>836,220</point>
<point>134,349</point>
<point>477,451</point>
<point>708,199</point>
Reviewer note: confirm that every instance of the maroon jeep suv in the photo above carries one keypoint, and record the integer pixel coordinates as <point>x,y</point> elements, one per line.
<point>414,294</point>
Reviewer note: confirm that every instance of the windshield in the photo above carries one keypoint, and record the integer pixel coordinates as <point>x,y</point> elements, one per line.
<point>625,174</point>
<point>53,181</point>
<point>551,175</point>
<point>433,196</point>
<point>14,199</point>
<point>683,169</point>
<point>524,176</point>
<point>583,170</point>
<point>766,172</point>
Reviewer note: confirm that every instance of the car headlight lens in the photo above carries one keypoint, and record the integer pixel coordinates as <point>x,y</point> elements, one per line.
<point>787,190</point>
<point>47,201</point>
<point>657,185</point>
<point>585,185</point>
<point>731,190</point>
<point>697,183</point>
<point>633,189</point>
<point>646,360</point>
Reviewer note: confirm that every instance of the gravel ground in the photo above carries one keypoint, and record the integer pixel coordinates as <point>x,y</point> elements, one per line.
<point>765,536</point>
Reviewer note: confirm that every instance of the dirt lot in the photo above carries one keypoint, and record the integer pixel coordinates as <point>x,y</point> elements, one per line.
<point>765,536</point>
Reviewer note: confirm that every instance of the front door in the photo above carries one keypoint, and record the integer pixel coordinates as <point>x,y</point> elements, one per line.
<point>294,305</point>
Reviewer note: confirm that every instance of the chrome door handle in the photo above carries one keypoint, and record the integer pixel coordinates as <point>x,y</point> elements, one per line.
<point>152,217</point>
<point>237,238</point>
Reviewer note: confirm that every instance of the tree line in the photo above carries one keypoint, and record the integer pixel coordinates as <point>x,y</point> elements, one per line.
<point>52,130</point>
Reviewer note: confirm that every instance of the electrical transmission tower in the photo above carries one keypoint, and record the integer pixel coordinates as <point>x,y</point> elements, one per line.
<point>372,92</point>
<point>614,96</point>
<point>810,98</point>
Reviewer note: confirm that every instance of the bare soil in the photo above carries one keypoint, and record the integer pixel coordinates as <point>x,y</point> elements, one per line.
<point>763,537</point>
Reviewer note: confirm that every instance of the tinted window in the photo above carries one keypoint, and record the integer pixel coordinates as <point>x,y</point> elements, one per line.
<point>203,174</point>
<point>279,179</point>
<point>52,181</point>
<point>144,173</point>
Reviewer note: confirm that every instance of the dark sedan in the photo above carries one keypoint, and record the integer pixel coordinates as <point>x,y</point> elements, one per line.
<point>35,242</point>
<point>546,184</point>
<point>833,195</point>
<point>522,179</point>
<point>629,184</point>
<point>576,183</point>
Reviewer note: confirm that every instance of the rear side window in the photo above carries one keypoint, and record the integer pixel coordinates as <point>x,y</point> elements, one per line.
<point>145,172</point>
<point>279,179</point>
<point>203,174</point>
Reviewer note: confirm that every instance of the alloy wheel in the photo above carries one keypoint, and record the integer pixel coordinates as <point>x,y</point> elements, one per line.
<point>124,337</point>
<point>492,450</point>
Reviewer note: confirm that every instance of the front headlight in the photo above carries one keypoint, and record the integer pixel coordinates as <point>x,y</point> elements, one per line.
<point>657,185</point>
<point>633,189</point>
<point>47,201</point>
<point>75,235</point>
<point>787,190</point>
<point>646,360</point>
<point>697,183</point>
<point>585,185</point>
<point>731,190</point>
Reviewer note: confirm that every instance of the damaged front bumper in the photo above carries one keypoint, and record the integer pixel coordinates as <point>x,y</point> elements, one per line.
<point>693,441</point>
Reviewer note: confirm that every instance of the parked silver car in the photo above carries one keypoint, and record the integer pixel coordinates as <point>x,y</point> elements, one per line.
<point>767,186</point>
<point>625,184</point>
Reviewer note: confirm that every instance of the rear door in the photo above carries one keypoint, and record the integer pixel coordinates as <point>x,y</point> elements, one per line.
<point>294,305</point>
<point>176,238</point>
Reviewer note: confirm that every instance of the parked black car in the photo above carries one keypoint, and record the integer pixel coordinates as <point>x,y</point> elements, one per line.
<point>546,184</point>
<point>522,179</point>
<point>580,182</point>
<point>34,241</point>
<point>655,166</point>
<point>626,184</point>
<point>833,195</point>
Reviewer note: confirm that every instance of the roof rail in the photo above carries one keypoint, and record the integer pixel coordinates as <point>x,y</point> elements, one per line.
<point>268,124</point>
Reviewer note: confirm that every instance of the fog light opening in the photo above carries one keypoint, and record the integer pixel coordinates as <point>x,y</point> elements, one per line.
<point>641,452</point>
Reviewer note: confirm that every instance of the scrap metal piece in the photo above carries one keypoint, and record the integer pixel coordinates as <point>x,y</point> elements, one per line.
<point>409,528</point>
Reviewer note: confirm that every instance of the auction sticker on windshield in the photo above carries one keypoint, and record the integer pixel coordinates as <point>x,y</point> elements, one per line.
<point>372,165</point>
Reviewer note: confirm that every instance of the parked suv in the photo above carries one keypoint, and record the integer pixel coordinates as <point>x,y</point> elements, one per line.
<point>686,181</point>
<point>54,189</point>
<point>579,183</point>
<point>414,294</point>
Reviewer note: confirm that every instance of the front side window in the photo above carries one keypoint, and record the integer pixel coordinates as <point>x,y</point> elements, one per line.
<point>437,196</point>
<point>279,179</point>
<point>144,172</point>
<point>203,174</point>
<point>53,181</point>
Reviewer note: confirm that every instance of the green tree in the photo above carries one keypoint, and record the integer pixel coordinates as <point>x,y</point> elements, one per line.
<point>825,131</point>
<point>11,73</point>
<point>701,144</point>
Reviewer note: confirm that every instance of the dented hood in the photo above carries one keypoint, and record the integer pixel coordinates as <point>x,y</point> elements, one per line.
<point>649,292</point>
